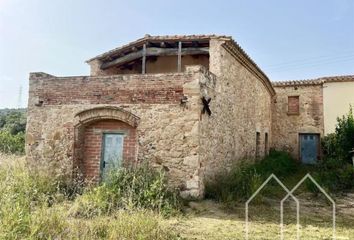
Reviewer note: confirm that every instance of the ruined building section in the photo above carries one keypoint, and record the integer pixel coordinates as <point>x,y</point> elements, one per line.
<point>298,118</point>
<point>239,127</point>
<point>158,55</point>
<point>190,105</point>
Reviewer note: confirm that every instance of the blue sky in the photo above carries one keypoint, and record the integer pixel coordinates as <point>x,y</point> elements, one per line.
<point>288,39</point>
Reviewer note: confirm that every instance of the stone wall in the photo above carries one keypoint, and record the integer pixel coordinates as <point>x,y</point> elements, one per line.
<point>164,110</point>
<point>240,106</point>
<point>167,129</point>
<point>287,126</point>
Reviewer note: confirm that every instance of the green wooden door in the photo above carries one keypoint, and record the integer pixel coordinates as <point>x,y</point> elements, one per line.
<point>112,153</point>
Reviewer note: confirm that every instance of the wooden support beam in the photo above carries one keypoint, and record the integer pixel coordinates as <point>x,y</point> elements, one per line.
<point>154,52</point>
<point>179,57</point>
<point>195,44</point>
<point>174,51</point>
<point>144,59</point>
<point>127,58</point>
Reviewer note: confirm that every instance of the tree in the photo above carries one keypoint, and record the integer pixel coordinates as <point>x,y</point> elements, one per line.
<point>339,144</point>
<point>345,135</point>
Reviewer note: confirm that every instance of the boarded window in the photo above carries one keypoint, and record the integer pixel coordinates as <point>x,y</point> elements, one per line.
<point>266,143</point>
<point>258,143</point>
<point>293,105</point>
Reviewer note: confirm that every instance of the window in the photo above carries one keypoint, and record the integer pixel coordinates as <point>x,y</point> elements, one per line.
<point>266,144</point>
<point>258,143</point>
<point>293,105</point>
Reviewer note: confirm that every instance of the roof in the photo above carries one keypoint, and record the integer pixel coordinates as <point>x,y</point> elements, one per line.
<point>232,46</point>
<point>235,49</point>
<point>316,81</point>
<point>149,38</point>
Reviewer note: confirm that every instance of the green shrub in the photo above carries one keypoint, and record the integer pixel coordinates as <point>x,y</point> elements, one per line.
<point>12,131</point>
<point>13,121</point>
<point>335,175</point>
<point>140,187</point>
<point>277,162</point>
<point>12,143</point>
<point>242,180</point>
<point>335,171</point>
<point>340,143</point>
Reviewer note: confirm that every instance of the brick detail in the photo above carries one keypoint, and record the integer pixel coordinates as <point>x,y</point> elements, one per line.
<point>126,89</point>
<point>93,135</point>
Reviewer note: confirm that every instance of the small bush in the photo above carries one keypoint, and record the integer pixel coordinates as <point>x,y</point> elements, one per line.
<point>340,143</point>
<point>12,131</point>
<point>141,187</point>
<point>12,143</point>
<point>277,162</point>
<point>335,175</point>
<point>13,121</point>
<point>242,180</point>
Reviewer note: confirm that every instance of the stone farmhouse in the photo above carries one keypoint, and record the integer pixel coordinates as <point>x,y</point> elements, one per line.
<point>192,105</point>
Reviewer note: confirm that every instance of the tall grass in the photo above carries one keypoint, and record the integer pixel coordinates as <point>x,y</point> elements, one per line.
<point>34,205</point>
<point>243,179</point>
<point>140,187</point>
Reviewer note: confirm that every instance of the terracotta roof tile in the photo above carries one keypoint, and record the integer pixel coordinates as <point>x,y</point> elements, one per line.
<point>316,81</point>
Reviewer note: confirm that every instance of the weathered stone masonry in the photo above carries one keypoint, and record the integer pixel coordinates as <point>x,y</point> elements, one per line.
<point>241,107</point>
<point>159,112</point>
<point>309,120</point>
<point>166,130</point>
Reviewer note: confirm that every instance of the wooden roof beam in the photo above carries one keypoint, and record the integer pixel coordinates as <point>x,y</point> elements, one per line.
<point>152,51</point>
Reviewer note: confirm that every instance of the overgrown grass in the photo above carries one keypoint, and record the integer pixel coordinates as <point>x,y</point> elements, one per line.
<point>140,187</point>
<point>34,205</point>
<point>242,180</point>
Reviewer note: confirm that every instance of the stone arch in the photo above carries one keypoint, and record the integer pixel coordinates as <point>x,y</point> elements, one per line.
<point>99,120</point>
<point>107,112</point>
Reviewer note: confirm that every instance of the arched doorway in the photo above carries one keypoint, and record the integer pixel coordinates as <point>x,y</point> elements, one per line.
<point>105,138</point>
